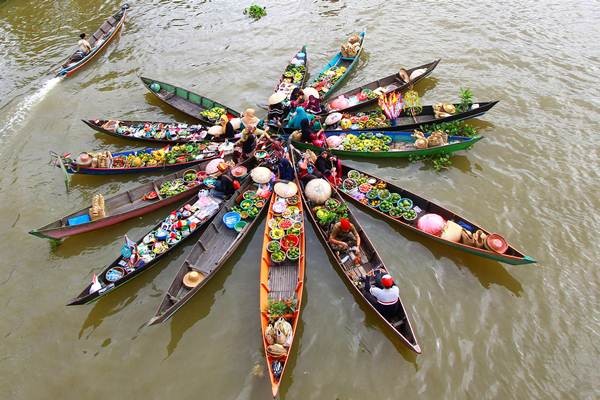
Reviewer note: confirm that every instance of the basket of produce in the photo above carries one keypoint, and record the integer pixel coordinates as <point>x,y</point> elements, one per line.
<point>249,194</point>
<point>293,200</point>
<point>293,253</point>
<point>385,206</point>
<point>273,246</point>
<point>276,233</point>
<point>405,203</point>
<point>409,215</point>
<point>365,188</point>
<point>246,204</point>
<point>150,196</point>
<point>395,212</point>
<point>285,224</point>
<point>278,256</point>
<point>240,226</point>
<point>289,241</point>
<point>231,218</point>
<point>349,184</point>
<point>259,203</point>
<point>239,171</point>
<point>332,204</point>
<point>394,197</point>
<point>372,194</point>
<point>353,174</point>
<point>189,175</point>
<point>374,203</point>
<point>383,194</point>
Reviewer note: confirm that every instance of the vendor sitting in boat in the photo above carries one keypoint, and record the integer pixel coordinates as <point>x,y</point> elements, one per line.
<point>225,185</point>
<point>385,296</point>
<point>327,166</point>
<point>306,167</point>
<point>249,118</point>
<point>277,110</point>
<point>228,130</point>
<point>84,50</point>
<point>345,238</point>
<point>249,140</point>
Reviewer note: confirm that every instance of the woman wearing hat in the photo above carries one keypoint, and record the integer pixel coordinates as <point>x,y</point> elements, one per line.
<point>249,140</point>
<point>385,296</point>
<point>250,119</point>
<point>276,113</point>
<point>225,185</point>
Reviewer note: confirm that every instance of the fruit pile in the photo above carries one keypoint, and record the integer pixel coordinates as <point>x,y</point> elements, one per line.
<point>285,230</point>
<point>328,78</point>
<point>295,73</point>
<point>213,114</point>
<point>366,142</point>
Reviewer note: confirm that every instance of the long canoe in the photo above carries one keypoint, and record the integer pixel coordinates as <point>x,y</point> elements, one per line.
<point>338,61</point>
<point>129,204</point>
<point>107,285</point>
<point>391,83</point>
<point>283,281</point>
<point>287,83</point>
<point>98,41</point>
<point>150,131</point>
<point>425,206</point>
<point>210,252</point>
<point>186,101</point>
<point>352,274</point>
<point>72,167</point>
<point>401,146</point>
<point>407,123</point>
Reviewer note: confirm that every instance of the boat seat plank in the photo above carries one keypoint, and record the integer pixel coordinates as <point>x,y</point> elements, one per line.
<point>111,21</point>
<point>282,281</point>
<point>184,105</point>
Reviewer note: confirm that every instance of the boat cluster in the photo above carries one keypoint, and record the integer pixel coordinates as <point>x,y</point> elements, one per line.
<point>227,189</point>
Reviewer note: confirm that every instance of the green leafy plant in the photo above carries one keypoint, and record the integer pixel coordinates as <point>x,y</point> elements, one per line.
<point>454,128</point>
<point>438,161</point>
<point>277,308</point>
<point>255,11</point>
<point>466,99</point>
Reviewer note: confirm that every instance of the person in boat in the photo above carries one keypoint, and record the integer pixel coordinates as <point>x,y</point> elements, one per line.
<point>297,117</point>
<point>249,118</point>
<point>225,185</point>
<point>285,169</point>
<point>306,167</point>
<point>296,97</point>
<point>313,105</point>
<point>328,167</point>
<point>228,130</point>
<point>249,140</point>
<point>276,113</point>
<point>83,50</point>
<point>385,295</point>
<point>344,238</point>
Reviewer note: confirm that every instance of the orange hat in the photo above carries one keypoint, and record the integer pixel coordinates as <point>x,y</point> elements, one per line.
<point>345,224</point>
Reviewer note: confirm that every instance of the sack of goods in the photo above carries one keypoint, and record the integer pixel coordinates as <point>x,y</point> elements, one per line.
<point>443,110</point>
<point>351,47</point>
<point>97,211</point>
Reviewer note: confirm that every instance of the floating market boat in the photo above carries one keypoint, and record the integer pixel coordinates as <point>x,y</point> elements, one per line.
<point>98,41</point>
<point>281,279</point>
<point>336,70</point>
<point>214,247</point>
<point>192,104</point>
<point>295,73</point>
<point>138,201</point>
<point>367,94</point>
<point>323,218</point>
<point>137,257</point>
<point>404,208</point>
<point>150,131</point>
<point>376,120</point>
<point>388,145</point>
<point>141,160</point>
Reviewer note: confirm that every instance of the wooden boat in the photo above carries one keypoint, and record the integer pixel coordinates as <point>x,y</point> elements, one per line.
<point>338,61</point>
<point>401,145</point>
<point>207,151</point>
<point>212,250</point>
<point>280,282</point>
<point>150,131</point>
<point>424,206</point>
<point>122,271</point>
<point>185,101</point>
<point>98,41</point>
<point>407,123</point>
<point>387,84</point>
<point>132,203</point>
<point>287,81</point>
<point>370,261</point>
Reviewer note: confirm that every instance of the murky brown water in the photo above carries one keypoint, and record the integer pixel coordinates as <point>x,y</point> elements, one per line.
<point>488,331</point>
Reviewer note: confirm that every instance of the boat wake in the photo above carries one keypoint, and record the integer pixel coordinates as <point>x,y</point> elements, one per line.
<point>22,109</point>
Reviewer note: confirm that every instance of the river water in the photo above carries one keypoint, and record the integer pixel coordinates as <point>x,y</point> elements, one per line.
<point>487,330</point>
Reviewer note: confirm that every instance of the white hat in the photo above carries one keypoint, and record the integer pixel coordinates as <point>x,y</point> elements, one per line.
<point>333,118</point>
<point>276,98</point>
<point>310,91</point>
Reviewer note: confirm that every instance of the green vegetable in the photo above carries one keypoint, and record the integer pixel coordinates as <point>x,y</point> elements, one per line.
<point>255,11</point>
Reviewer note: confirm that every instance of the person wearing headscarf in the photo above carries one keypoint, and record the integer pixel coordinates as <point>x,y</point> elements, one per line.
<point>307,133</point>
<point>249,140</point>
<point>249,118</point>
<point>313,105</point>
<point>296,96</point>
<point>228,131</point>
<point>297,117</point>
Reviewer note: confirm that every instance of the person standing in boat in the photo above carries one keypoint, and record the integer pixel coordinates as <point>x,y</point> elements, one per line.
<point>385,297</point>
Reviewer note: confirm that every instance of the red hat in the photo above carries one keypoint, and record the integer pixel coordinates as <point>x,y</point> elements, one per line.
<point>345,224</point>
<point>387,281</point>
<point>236,184</point>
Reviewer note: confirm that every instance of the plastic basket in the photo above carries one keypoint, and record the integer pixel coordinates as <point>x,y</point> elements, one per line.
<point>231,218</point>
